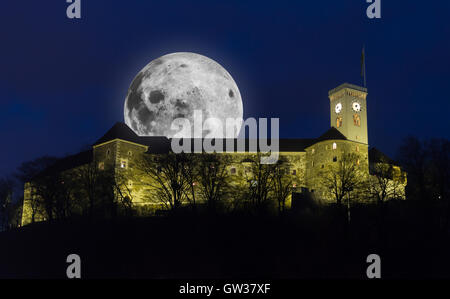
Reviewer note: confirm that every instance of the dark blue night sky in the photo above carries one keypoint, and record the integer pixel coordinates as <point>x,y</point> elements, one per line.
<point>63,82</point>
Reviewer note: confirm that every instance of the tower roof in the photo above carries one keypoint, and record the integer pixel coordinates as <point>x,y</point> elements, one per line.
<point>331,134</point>
<point>119,131</point>
<point>347,85</point>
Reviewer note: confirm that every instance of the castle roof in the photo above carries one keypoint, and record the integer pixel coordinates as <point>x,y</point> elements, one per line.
<point>68,162</point>
<point>161,144</point>
<point>331,134</point>
<point>376,156</point>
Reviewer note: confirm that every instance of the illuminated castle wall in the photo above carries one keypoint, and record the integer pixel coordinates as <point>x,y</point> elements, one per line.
<point>120,148</point>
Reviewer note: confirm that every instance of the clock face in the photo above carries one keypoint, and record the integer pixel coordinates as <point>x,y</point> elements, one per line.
<point>356,106</point>
<point>338,108</point>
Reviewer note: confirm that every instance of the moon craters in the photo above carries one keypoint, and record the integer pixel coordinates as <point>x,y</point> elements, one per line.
<point>174,86</point>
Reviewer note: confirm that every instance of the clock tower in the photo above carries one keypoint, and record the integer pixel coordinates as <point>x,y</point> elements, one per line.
<point>348,111</point>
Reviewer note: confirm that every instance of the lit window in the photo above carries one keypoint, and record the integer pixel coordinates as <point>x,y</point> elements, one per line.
<point>313,151</point>
<point>339,122</point>
<point>101,165</point>
<point>356,120</point>
<point>334,145</point>
<point>123,164</point>
<point>357,162</point>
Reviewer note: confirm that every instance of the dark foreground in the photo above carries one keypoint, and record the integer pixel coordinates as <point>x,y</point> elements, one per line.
<point>410,238</point>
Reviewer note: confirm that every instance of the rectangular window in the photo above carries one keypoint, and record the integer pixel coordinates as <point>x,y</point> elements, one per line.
<point>334,159</point>
<point>101,166</point>
<point>123,164</point>
<point>294,172</point>
<point>233,170</point>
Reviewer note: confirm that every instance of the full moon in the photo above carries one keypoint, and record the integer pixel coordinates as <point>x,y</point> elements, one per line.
<point>174,86</point>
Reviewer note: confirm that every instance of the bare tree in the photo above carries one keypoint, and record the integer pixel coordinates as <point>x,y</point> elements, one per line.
<point>259,180</point>
<point>412,156</point>
<point>438,151</point>
<point>166,178</point>
<point>46,189</point>
<point>212,175</point>
<point>25,174</point>
<point>191,173</point>
<point>342,177</point>
<point>282,182</point>
<point>95,185</point>
<point>28,170</point>
<point>385,183</point>
<point>6,189</point>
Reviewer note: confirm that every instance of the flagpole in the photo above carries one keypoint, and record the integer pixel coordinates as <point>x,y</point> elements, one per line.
<point>364,65</point>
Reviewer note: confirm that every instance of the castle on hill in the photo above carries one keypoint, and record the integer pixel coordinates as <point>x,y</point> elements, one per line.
<point>306,160</point>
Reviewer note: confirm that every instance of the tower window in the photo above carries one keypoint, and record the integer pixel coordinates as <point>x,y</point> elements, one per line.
<point>334,145</point>
<point>339,122</point>
<point>313,151</point>
<point>334,159</point>
<point>312,163</point>
<point>130,153</point>
<point>356,120</point>
<point>294,172</point>
<point>123,164</point>
<point>101,166</point>
<point>108,152</point>
<point>233,170</point>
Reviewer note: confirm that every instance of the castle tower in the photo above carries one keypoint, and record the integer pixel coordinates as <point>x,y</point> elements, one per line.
<point>348,111</point>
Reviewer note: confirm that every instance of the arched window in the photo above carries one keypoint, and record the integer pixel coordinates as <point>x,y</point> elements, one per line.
<point>356,120</point>
<point>334,145</point>
<point>339,122</point>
